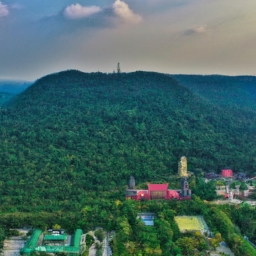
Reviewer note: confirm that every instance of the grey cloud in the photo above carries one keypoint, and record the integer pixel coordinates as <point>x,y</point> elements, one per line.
<point>122,10</point>
<point>3,10</point>
<point>119,9</point>
<point>196,30</point>
<point>61,24</point>
<point>77,11</point>
<point>101,19</point>
<point>77,17</point>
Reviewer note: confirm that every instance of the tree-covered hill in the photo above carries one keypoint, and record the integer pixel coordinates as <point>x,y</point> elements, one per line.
<point>9,88</point>
<point>4,97</point>
<point>13,86</point>
<point>73,135</point>
<point>229,91</point>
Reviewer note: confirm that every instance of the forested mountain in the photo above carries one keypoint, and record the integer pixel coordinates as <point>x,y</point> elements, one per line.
<point>9,88</point>
<point>71,140</point>
<point>13,87</point>
<point>72,135</point>
<point>4,97</point>
<point>229,91</point>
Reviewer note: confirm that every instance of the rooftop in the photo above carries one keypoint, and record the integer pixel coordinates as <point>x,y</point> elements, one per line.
<point>55,237</point>
<point>158,186</point>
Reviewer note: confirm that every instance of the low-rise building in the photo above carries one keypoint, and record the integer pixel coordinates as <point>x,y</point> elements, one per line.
<point>52,242</point>
<point>159,191</point>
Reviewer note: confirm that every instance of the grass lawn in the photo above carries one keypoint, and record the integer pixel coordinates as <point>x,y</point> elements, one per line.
<point>190,223</point>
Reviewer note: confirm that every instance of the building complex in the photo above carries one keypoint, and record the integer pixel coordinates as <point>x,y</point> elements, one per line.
<point>161,191</point>
<point>55,241</point>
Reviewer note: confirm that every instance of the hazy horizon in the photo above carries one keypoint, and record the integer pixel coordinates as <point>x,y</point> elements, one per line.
<point>167,36</point>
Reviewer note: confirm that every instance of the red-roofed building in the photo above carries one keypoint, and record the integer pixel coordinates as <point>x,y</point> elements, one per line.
<point>173,194</point>
<point>156,191</point>
<point>227,173</point>
<point>152,187</point>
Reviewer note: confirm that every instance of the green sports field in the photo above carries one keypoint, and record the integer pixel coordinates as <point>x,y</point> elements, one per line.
<point>190,223</point>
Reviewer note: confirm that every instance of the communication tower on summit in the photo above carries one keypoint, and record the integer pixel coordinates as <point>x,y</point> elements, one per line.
<point>118,69</point>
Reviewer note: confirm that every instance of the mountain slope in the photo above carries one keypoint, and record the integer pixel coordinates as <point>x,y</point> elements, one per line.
<point>229,91</point>
<point>9,88</point>
<point>13,87</point>
<point>4,97</point>
<point>72,135</point>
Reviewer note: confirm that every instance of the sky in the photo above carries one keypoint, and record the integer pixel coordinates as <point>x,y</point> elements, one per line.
<point>168,36</point>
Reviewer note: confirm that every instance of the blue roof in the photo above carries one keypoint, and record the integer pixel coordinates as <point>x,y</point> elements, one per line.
<point>148,222</point>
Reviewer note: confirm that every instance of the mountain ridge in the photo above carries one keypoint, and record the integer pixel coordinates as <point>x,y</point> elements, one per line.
<point>229,91</point>
<point>13,86</point>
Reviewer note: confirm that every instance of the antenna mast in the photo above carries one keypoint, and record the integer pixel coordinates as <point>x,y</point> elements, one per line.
<point>118,69</point>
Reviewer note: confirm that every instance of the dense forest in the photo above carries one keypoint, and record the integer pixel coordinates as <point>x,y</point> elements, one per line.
<point>13,86</point>
<point>229,91</point>
<point>9,89</point>
<point>71,140</point>
<point>4,97</point>
<point>164,238</point>
<point>73,133</point>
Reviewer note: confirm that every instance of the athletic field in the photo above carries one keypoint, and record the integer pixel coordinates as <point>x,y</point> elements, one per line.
<point>191,223</point>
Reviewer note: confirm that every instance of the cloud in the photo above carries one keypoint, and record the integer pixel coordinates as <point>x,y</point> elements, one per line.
<point>122,10</point>
<point>201,29</point>
<point>101,17</point>
<point>77,11</point>
<point>3,10</point>
<point>197,30</point>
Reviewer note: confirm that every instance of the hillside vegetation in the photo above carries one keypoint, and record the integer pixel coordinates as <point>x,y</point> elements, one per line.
<point>228,91</point>
<point>73,135</point>
<point>4,97</point>
<point>9,89</point>
<point>71,141</point>
<point>13,86</point>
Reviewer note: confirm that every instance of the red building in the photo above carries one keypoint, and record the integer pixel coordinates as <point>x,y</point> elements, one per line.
<point>227,173</point>
<point>157,191</point>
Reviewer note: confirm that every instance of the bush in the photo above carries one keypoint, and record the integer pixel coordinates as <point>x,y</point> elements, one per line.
<point>100,234</point>
<point>243,186</point>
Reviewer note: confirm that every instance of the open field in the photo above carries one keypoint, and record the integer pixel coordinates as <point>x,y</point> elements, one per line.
<point>191,223</point>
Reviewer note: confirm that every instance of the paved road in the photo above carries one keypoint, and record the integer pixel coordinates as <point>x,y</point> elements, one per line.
<point>234,201</point>
<point>92,250</point>
<point>220,250</point>
<point>13,245</point>
<point>106,248</point>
